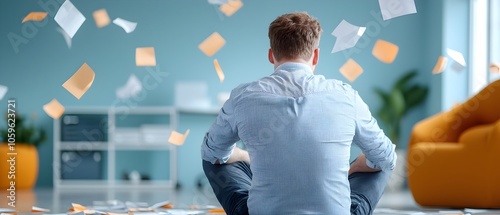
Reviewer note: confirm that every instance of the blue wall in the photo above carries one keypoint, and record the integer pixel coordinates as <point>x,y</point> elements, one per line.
<point>35,72</point>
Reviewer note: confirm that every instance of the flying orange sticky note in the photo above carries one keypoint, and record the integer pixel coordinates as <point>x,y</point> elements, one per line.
<point>81,81</point>
<point>351,70</point>
<point>177,138</point>
<point>495,67</point>
<point>212,44</point>
<point>219,71</point>
<point>440,65</point>
<point>35,16</point>
<point>54,109</point>
<point>385,51</point>
<point>231,7</point>
<point>101,18</point>
<point>145,56</point>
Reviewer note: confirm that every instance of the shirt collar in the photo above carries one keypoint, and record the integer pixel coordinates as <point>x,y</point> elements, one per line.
<point>291,67</point>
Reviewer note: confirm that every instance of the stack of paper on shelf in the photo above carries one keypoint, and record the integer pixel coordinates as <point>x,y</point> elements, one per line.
<point>127,135</point>
<point>155,133</point>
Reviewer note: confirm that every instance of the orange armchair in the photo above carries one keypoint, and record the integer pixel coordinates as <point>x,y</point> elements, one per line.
<point>453,157</point>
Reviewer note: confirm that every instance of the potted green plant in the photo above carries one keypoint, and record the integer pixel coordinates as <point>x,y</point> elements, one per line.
<point>396,104</point>
<point>403,97</point>
<point>23,153</point>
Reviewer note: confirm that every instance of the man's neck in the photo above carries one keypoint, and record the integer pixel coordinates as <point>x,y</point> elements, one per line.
<point>299,60</point>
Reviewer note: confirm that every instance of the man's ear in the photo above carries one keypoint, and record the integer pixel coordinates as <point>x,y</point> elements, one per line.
<point>315,56</point>
<point>270,56</point>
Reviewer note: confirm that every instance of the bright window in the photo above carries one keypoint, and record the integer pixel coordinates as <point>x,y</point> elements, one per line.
<point>484,43</point>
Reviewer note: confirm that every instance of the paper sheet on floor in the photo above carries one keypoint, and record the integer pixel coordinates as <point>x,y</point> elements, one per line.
<point>69,18</point>
<point>218,2</point>
<point>347,35</point>
<point>395,8</point>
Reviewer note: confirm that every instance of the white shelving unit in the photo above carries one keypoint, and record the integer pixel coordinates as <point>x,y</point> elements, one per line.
<point>112,146</point>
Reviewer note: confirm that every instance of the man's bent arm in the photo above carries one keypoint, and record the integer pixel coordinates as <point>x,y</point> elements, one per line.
<point>219,142</point>
<point>372,141</point>
<point>359,165</point>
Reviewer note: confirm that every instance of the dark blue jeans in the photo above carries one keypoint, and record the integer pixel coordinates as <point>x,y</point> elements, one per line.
<point>231,183</point>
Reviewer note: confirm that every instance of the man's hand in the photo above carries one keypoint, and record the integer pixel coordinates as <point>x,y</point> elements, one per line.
<point>238,155</point>
<point>359,165</point>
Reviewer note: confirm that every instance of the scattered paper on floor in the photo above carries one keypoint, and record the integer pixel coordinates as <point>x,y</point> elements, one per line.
<point>161,205</point>
<point>81,81</point>
<point>78,207</point>
<point>132,88</point>
<point>231,7</point>
<point>385,51</point>
<point>101,18</point>
<point>351,70</point>
<point>38,209</point>
<point>128,26</point>
<point>396,8</point>
<point>212,44</point>
<point>35,16</point>
<point>347,35</point>
<point>177,138</point>
<point>440,65</point>
<point>145,56</point>
<point>69,18</point>
<point>219,71</point>
<point>458,63</point>
<point>54,109</point>
<point>3,91</point>
<point>6,210</point>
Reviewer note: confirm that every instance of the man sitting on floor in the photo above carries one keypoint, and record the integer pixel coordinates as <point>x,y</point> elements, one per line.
<point>298,128</point>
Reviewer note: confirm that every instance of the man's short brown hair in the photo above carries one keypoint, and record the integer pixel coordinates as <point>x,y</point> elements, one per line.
<point>294,35</point>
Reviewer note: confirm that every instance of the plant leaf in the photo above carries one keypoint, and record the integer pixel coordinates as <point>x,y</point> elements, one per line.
<point>402,82</point>
<point>383,95</point>
<point>414,96</point>
<point>397,102</point>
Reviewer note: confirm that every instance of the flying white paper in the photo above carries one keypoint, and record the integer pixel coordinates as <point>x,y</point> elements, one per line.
<point>347,35</point>
<point>132,88</point>
<point>128,26</point>
<point>69,18</point>
<point>3,91</point>
<point>458,60</point>
<point>395,8</point>
<point>66,37</point>
<point>218,2</point>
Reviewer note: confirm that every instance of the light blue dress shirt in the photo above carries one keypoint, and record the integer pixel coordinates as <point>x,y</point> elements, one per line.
<point>298,129</point>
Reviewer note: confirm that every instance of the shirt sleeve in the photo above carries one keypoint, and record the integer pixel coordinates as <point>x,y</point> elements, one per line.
<point>219,141</point>
<point>372,141</point>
